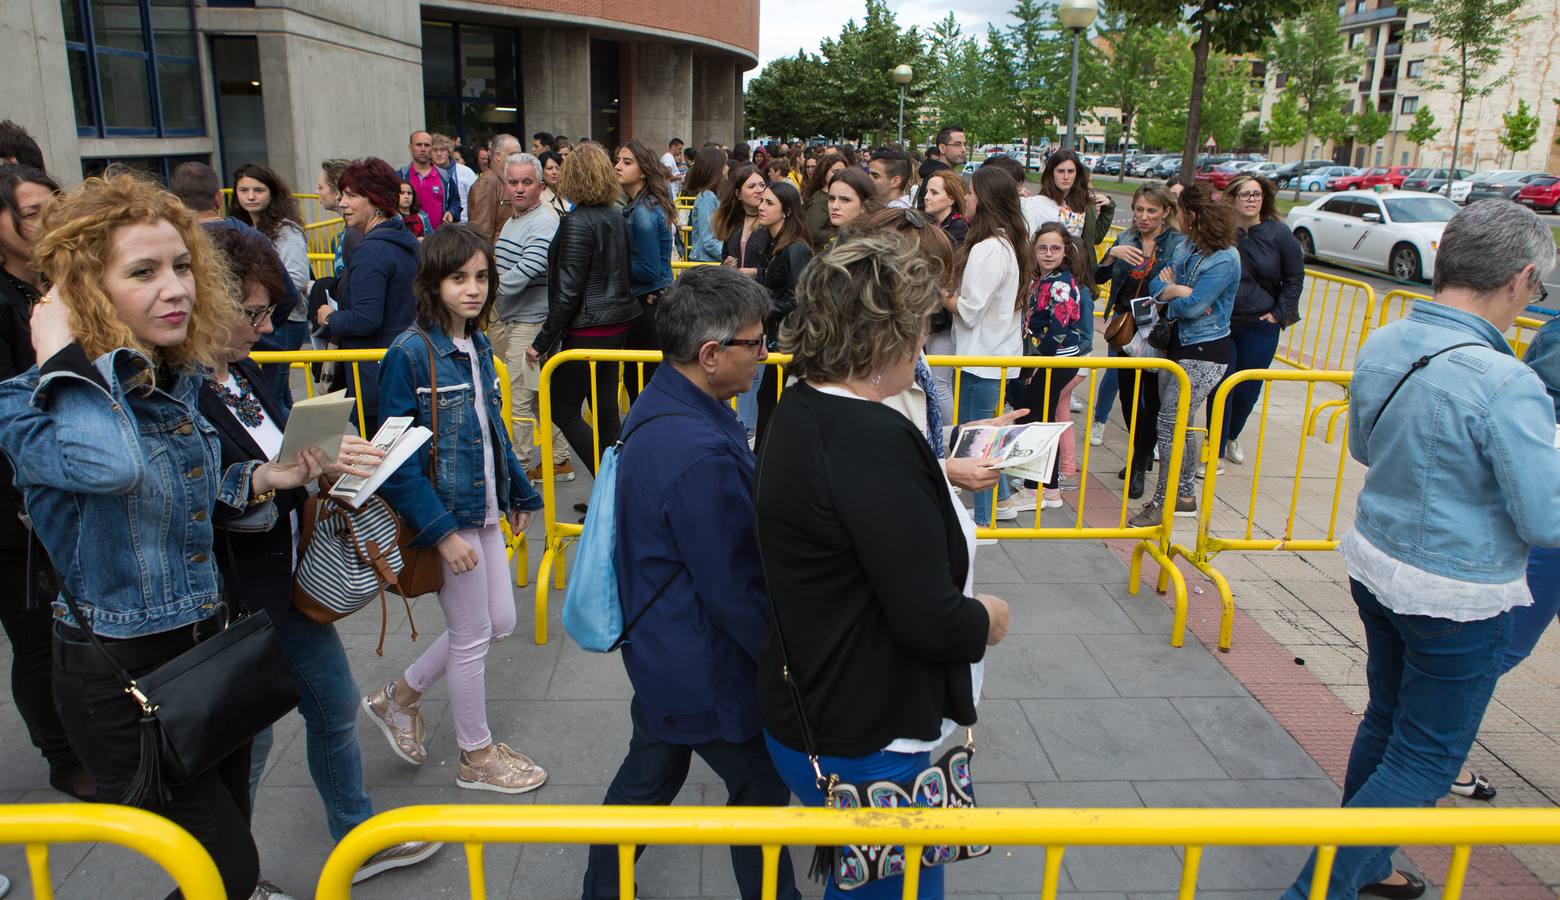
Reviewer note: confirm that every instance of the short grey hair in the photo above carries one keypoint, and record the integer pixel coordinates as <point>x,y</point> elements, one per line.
<point>523,159</point>
<point>707,303</point>
<point>496,142</point>
<point>1488,242</point>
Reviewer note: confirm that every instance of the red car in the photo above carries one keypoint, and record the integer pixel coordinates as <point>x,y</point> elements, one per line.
<point>1349,182</point>
<point>1219,176</point>
<point>1389,175</point>
<point>1542,192</point>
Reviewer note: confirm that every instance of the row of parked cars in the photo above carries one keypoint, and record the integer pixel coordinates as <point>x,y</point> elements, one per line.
<point>1539,190</point>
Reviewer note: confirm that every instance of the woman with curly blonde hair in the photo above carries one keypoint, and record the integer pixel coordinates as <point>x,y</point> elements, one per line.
<point>123,481</point>
<point>835,465</point>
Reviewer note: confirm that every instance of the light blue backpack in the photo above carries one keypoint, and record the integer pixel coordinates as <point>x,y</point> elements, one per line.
<point>592,608</point>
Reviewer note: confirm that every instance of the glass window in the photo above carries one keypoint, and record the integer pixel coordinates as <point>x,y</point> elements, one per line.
<point>490,118</point>
<point>1340,205</point>
<point>178,86</point>
<point>1422,209</point>
<point>471,80</point>
<point>235,67</point>
<point>81,88</point>
<point>117,24</point>
<point>438,60</point>
<point>1410,104</point>
<point>71,13</point>
<point>127,91</point>
<point>1421,32</point>
<point>1416,68</point>
<point>173,28</point>
<point>487,62</point>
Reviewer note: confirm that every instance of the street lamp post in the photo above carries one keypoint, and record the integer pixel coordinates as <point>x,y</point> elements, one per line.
<point>902,76</point>
<point>1076,15</point>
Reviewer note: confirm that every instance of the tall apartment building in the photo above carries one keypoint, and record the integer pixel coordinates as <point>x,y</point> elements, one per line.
<point>1398,49</point>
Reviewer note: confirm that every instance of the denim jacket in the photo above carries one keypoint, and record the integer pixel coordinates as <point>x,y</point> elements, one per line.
<point>705,246</point>
<point>650,247</point>
<point>1543,357</point>
<point>121,480</point>
<point>1214,278</point>
<point>1124,286</point>
<point>457,498</point>
<point>1469,476</point>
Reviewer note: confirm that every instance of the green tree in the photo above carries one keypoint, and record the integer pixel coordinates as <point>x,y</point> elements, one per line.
<point>1252,137</point>
<point>859,67</point>
<point>1423,130</point>
<point>1309,52</point>
<point>1286,124</point>
<point>1034,61</point>
<point>791,96</point>
<point>1476,36</point>
<point>1369,126</point>
<point>1166,112</point>
<point>1128,77</point>
<point>1521,130</point>
<point>1228,26</point>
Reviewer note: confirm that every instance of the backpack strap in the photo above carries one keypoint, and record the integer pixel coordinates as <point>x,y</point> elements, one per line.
<point>1418,364</point>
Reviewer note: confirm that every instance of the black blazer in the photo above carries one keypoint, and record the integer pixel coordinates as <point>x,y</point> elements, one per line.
<point>16,357</point>
<point>779,272</point>
<point>256,567</point>
<point>865,563</point>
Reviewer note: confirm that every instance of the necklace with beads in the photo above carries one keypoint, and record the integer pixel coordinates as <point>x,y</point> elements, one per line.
<point>242,402</point>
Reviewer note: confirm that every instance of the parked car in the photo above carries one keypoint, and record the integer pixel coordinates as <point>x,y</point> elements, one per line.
<point>1501,186</point>
<point>1318,179</point>
<point>1167,167</point>
<point>1267,169</point>
<point>1349,182</point>
<point>1396,232</point>
<point>1542,192</point>
<point>1219,175</point>
<point>1432,180</point>
<point>1143,166</point>
<point>1287,173</point>
<point>1109,164</point>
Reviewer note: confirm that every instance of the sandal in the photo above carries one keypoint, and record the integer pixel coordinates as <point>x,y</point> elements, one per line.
<point>1414,888</point>
<point>1477,786</point>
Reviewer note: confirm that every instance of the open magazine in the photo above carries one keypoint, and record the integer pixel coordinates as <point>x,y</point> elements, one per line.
<point>1027,451</point>
<point>399,439</point>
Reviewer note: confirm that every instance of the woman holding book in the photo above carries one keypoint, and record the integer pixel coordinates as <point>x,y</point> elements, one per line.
<point>446,359</point>
<point>257,561</point>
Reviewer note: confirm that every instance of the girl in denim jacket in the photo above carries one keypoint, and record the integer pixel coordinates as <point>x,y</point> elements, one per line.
<point>478,480</point>
<point>1060,323</point>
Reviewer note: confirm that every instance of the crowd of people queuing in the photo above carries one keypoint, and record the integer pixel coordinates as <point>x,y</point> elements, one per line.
<point>781,631</point>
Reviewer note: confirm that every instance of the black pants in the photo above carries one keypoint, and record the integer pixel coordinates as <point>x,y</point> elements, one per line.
<point>641,336</point>
<point>1040,398</point>
<point>103,725</point>
<point>1147,434</point>
<point>571,390</point>
<point>654,771</point>
<point>768,396</point>
<point>29,625</point>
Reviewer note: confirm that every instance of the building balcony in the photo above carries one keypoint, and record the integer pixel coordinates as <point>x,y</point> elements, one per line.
<point>1387,85</point>
<point>1372,16</point>
<point>1395,49</point>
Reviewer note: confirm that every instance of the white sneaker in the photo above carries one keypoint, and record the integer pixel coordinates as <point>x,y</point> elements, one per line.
<point>1021,501</point>
<point>1078,405</point>
<point>1234,452</point>
<point>265,890</point>
<point>1156,452</point>
<point>1007,512</point>
<point>1051,500</point>
<point>1202,472</point>
<point>1096,434</point>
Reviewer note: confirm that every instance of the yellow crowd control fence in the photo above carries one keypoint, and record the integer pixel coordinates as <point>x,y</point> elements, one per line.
<point>1335,317</point>
<point>37,825</point>
<point>1057,830</point>
<point>305,360</point>
<point>1298,532</point>
<point>1396,304</point>
<point>1102,294</point>
<point>608,367</point>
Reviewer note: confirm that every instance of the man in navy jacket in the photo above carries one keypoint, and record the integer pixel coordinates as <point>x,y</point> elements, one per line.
<point>688,561</point>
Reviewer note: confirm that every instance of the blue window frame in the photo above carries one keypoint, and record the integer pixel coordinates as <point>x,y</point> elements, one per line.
<point>133,68</point>
<point>471,80</point>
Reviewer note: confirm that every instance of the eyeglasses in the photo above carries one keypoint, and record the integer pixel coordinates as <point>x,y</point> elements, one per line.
<point>256,316</point>
<point>1249,195</point>
<point>1042,248</point>
<point>757,342</point>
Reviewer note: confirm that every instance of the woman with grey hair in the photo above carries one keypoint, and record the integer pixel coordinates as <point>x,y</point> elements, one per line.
<point>876,655</point>
<point>688,571</point>
<point>1469,481</point>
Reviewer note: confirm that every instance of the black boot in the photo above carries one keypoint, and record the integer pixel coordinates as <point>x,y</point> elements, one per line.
<point>1135,486</point>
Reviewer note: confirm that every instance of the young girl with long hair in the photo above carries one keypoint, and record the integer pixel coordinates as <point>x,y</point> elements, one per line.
<point>652,220</point>
<point>1060,323</point>
<point>815,193</point>
<point>457,508</point>
<point>1065,196</point>
<point>705,181</point>
<point>736,221</point>
<point>994,266</point>
<point>412,216</point>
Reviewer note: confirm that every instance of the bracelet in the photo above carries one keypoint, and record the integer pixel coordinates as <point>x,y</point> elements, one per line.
<point>266,497</point>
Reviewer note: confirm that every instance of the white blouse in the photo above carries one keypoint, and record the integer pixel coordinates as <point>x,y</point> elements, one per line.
<point>986,321</point>
<point>1411,591</point>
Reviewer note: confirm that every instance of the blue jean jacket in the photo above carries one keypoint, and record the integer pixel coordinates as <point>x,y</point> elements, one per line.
<point>704,245</point>
<point>1214,278</point>
<point>457,497</point>
<point>650,247</point>
<point>121,480</point>
<point>1468,475</point>
<point>1543,357</point>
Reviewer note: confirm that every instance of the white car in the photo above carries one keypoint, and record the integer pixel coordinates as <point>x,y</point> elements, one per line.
<point>1396,232</point>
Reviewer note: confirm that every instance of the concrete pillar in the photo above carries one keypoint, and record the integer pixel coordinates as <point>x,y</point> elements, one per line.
<point>662,94</point>
<point>555,69</point>
<point>32,41</point>
<point>715,104</point>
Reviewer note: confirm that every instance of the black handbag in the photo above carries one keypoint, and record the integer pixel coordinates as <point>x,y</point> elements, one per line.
<point>204,704</point>
<point>1162,334</point>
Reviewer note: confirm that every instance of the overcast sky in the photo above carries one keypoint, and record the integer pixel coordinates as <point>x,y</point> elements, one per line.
<point>786,26</point>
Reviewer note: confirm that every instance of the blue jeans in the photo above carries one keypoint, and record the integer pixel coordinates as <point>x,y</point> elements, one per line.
<point>1251,347</point>
<point>290,336</point>
<point>1528,622</point>
<point>328,702</point>
<point>1430,680</point>
<point>654,771</point>
<point>978,400</point>
<point>900,768</point>
<point>747,403</point>
<point>1109,387</point>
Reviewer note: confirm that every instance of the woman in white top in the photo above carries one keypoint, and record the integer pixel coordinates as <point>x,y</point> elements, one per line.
<point>993,265</point>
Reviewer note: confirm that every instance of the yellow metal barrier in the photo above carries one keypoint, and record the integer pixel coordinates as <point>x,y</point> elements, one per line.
<point>681,266</point>
<point>1207,546</point>
<point>1056,830</point>
<point>519,550</point>
<point>1395,305</point>
<point>1152,540</point>
<point>322,235</point>
<point>37,825</point>
<point>1335,318</point>
<point>1102,294</point>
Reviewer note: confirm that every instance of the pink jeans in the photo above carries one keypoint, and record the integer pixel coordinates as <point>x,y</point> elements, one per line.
<point>1067,448</point>
<point>479,608</point>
